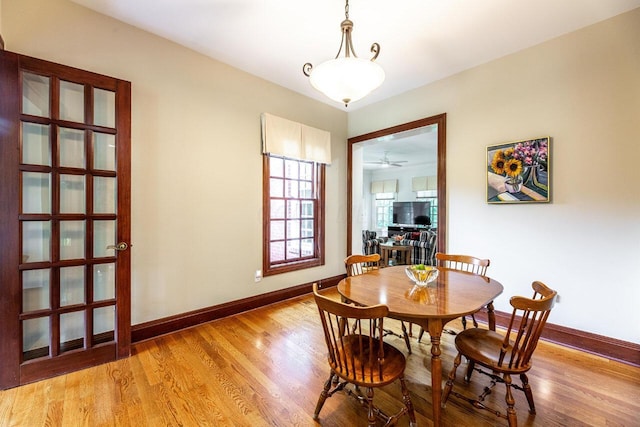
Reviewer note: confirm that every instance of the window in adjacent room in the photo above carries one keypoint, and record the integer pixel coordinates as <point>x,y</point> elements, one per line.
<point>384,211</point>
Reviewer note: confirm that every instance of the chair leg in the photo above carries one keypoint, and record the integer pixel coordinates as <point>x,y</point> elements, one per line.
<point>475,322</point>
<point>464,322</point>
<point>323,396</point>
<point>470,367</point>
<point>372,412</point>
<point>406,337</point>
<point>527,392</point>
<point>407,402</point>
<point>511,412</point>
<point>420,334</point>
<point>450,380</point>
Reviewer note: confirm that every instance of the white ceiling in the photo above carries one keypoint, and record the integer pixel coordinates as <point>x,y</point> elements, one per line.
<point>421,40</point>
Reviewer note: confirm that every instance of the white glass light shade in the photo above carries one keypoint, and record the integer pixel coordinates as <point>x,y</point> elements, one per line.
<point>347,79</point>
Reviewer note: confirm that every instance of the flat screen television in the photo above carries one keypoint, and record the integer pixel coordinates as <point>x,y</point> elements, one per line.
<point>412,213</point>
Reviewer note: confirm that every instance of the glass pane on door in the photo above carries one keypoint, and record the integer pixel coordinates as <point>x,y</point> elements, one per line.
<point>35,95</point>
<point>104,195</point>
<point>104,234</point>
<point>71,148</point>
<point>72,238</point>
<point>36,193</point>
<point>36,149</point>
<point>72,286</point>
<point>35,338</point>
<point>35,290</point>
<point>72,194</point>
<point>104,108</point>
<point>36,241</point>
<point>104,282</point>
<point>71,102</point>
<point>104,151</point>
<point>72,331</point>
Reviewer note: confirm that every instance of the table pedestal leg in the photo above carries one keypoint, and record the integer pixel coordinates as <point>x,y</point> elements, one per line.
<point>436,372</point>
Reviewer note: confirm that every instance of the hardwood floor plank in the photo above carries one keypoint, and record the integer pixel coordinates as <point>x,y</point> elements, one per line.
<point>266,367</point>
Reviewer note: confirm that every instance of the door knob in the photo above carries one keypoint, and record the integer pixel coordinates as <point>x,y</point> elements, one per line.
<point>122,246</point>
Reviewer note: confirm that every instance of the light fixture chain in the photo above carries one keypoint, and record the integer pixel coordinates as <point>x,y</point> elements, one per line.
<point>346,10</point>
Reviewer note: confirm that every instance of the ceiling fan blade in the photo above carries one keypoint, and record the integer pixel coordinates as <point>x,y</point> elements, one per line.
<point>395,164</point>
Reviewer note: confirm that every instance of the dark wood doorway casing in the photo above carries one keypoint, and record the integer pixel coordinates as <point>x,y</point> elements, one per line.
<point>441,121</point>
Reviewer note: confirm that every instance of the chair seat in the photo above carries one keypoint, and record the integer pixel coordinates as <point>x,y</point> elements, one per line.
<point>376,372</point>
<point>483,346</point>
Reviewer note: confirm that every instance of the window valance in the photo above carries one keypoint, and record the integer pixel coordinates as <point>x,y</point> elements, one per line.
<point>291,139</point>
<point>388,186</point>
<point>424,183</point>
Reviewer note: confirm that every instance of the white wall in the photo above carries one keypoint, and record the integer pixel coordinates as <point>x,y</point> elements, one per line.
<point>583,90</point>
<point>197,167</point>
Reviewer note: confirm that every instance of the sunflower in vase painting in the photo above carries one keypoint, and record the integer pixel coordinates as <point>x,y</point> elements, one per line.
<point>520,162</point>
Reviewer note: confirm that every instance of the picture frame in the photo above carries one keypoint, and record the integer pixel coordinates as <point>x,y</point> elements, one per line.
<point>519,172</point>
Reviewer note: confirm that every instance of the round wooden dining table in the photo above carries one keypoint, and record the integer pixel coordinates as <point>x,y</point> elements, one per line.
<point>453,294</point>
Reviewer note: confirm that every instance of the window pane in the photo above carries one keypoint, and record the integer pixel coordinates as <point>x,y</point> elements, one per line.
<point>305,190</point>
<point>306,248</point>
<point>277,209</point>
<point>276,251</point>
<point>293,209</point>
<point>71,102</point>
<point>72,194</point>
<point>71,148</point>
<point>276,166</point>
<point>293,249</point>
<point>307,228</point>
<point>35,95</point>
<point>36,192</point>
<point>291,169</point>
<point>276,187</point>
<point>104,151</point>
<point>306,171</point>
<point>35,290</point>
<point>291,188</point>
<point>293,229</point>
<point>104,108</point>
<point>307,209</point>
<point>36,149</point>
<point>72,285</point>
<point>277,230</point>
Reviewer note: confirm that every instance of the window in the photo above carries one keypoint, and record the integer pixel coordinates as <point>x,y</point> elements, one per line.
<point>384,210</point>
<point>293,209</point>
<point>432,198</point>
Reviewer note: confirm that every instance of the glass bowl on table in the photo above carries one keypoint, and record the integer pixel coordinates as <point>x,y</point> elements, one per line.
<point>422,274</point>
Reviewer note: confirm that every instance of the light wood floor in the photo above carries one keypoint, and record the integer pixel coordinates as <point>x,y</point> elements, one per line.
<point>267,367</point>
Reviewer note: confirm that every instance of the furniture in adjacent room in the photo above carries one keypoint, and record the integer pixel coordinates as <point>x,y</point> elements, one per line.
<point>362,264</point>
<point>423,246</point>
<point>469,264</point>
<point>358,355</point>
<point>502,355</point>
<point>370,243</point>
<point>451,295</point>
<point>402,254</point>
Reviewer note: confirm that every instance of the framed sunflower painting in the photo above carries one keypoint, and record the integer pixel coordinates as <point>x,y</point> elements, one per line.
<point>519,172</point>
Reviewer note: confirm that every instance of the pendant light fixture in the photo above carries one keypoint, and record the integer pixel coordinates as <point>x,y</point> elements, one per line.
<point>346,79</point>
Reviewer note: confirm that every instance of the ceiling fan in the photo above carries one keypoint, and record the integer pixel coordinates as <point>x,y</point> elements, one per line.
<point>385,162</point>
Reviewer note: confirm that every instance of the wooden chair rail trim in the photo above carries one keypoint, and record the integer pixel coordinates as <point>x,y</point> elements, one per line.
<point>599,345</point>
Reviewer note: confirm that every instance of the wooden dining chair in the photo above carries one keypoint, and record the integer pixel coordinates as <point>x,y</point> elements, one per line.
<point>501,356</point>
<point>361,264</point>
<point>469,264</point>
<point>358,355</point>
